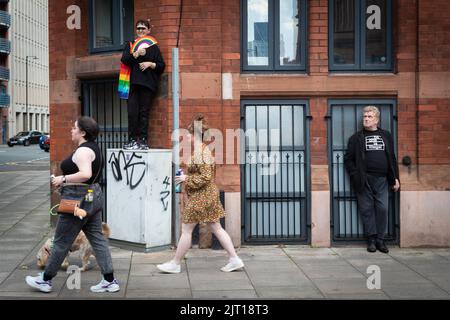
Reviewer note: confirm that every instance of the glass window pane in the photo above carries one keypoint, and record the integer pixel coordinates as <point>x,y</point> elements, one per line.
<point>376,24</point>
<point>290,40</point>
<point>128,20</point>
<point>299,139</point>
<point>286,126</point>
<point>344,32</point>
<point>258,32</point>
<point>262,126</point>
<point>103,23</point>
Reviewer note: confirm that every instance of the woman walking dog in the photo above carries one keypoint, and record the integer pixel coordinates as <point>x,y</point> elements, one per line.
<point>83,166</point>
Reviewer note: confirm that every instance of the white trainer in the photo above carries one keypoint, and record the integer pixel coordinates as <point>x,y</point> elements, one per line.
<point>39,283</point>
<point>234,264</point>
<point>169,267</point>
<point>105,286</point>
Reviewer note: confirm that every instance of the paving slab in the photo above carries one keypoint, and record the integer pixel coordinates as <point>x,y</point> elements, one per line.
<point>342,286</point>
<point>422,291</point>
<point>305,291</point>
<point>221,285</point>
<point>158,282</point>
<point>288,279</point>
<point>331,271</point>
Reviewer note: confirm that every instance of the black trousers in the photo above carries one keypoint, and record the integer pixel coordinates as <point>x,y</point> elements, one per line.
<point>139,101</point>
<point>373,202</point>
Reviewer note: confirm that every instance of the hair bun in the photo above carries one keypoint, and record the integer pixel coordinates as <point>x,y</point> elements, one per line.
<point>198,117</point>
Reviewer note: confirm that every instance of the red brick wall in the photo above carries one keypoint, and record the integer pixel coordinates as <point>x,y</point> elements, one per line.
<point>64,45</point>
<point>318,37</point>
<point>434,62</point>
<point>209,44</point>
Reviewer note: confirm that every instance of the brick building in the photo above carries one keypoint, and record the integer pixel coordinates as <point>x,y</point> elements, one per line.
<point>304,68</point>
<point>5,49</point>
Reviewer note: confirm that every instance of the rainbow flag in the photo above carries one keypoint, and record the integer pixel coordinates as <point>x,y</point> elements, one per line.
<point>125,71</point>
<point>142,42</point>
<point>124,81</point>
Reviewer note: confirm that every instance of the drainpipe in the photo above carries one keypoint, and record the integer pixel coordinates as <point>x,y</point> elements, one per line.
<point>175,141</point>
<point>417,87</point>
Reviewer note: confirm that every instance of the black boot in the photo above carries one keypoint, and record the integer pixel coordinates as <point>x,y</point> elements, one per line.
<point>381,246</point>
<point>371,247</point>
<point>143,144</point>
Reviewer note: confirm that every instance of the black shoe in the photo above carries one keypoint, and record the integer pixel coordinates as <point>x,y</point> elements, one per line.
<point>131,145</point>
<point>381,246</point>
<point>371,247</point>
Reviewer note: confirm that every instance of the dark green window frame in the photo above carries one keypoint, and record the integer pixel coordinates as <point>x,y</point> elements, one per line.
<point>274,39</point>
<point>121,30</point>
<point>360,39</point>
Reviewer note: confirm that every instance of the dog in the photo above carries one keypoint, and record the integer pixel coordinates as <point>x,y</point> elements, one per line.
<point>80,244</point>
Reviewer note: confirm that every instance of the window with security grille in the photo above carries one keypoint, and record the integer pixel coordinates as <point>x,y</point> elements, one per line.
<point>345,119</point>
<point>101,101</point>
<point>275,172</point>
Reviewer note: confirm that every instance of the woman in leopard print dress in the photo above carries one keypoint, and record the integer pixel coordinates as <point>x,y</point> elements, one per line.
<point>203,203</point>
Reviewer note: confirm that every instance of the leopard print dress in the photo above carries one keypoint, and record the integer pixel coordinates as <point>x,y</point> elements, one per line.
<point>203,202</point>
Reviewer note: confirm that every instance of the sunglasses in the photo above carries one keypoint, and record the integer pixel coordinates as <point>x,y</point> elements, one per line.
<point>141,28</point>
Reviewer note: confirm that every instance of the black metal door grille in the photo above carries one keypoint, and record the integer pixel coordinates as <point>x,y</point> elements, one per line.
<point>346,119</point>
<point>101,102</point>
<point>274,186</point>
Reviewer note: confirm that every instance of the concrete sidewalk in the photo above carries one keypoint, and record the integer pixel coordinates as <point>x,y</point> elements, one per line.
<point>271,272</point>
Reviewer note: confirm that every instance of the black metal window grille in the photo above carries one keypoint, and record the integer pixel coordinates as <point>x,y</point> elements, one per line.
<point>276,172</point>
<point>101,102</point>
<point>345,119</point>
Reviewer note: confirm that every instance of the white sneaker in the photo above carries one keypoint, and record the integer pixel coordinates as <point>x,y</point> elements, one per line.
<point>234,264</point>
<point>39,283</point>
<point>105,286</point>
<point>169,267</point>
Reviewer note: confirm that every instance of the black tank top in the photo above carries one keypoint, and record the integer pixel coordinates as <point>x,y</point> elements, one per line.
<point>69,167</point>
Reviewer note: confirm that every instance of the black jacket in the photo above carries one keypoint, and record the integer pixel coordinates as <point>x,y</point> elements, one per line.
<point>149,77</point>
<point>354,159</point>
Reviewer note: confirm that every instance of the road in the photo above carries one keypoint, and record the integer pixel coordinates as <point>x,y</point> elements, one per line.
<point>20,158</point>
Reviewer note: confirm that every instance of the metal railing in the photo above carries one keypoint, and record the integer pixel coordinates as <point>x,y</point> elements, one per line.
<point>5,46</point>
<point>5,19</point>
<point>4,100</point>
<point>347,222</point>
<point>4,73</point>
<point>101,102</point>
<point>344,120</point>
<point>274,184</point>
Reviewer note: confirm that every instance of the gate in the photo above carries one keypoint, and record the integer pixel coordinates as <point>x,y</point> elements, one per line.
<point>345,118</point>
<point>101,102</point>
<point>275,173</point>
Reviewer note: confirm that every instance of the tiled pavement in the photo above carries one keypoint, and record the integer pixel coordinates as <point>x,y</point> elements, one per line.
<point>271,272</point>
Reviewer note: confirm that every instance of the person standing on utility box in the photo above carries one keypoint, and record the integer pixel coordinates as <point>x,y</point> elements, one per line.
<point>144,59</point>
